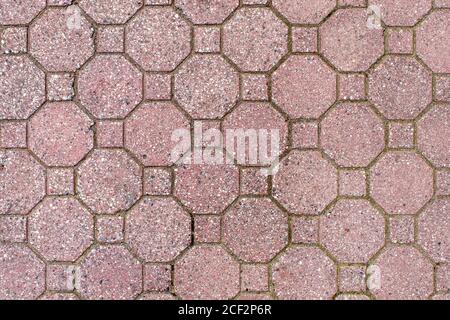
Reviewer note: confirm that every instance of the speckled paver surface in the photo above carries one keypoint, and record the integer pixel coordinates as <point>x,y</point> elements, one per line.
<point>97,200</point>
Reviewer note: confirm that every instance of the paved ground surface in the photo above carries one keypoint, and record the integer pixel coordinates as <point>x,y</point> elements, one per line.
<point>93,207</point>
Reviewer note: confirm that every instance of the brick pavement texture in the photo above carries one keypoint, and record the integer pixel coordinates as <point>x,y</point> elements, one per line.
<point>92,206</point>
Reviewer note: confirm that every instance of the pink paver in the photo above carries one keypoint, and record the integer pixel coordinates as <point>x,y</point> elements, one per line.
<point>157,277</point>
<point>19,11</point>
<point>59,296</point>
<point>207,272</point>
<point>207,12</point>
<point>206,86</point>
<point>304,273</point>
<point>110,272</point>
<point>348,42</point>
<point>434,135</point>
<point>434,228</point>
<point>157,182</point>
<point>60,134</point>
<point>254,277</point>
<point>110,11</point>
<point>13,134</point>
<point>305,230</point>
<point>22,274</point>
<point>352,135</point>
<point>109,181</point>
<point>110,86</point>
<point>400,87</point>
<point>255,39</point>
<point>207,189</point>
<point>207,229</point>
<point>401,182</point>
<point>304,11</point>
<point>353,231</point>
<point>402,12</point>
<point>300,177</point>
<point>59,45</point>
<point>158,229</point>
<point>264,122</point>
<point>110,229</point>
<point>433,41</point>
<point>157,38</point>
<point>13,40</point>
<point>149,132</point>
<point>23,86</point>
<point>22,182</point>
<point>60,229</point>
<point>352,278</point>
<point>60,181</point>
<point>13,228</point>
<point>255,229</point>
<point>405,274</point>
<point>318,83</point>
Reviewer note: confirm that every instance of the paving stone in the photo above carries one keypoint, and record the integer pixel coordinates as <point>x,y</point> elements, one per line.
<point>150,130</point>
<point>13,134</point>
<point>299,176</point>
<point>110,11</point>
<point>352,183</point>
<point>206,272</point>
<point>22,274</point>
<point>19,12</point>
<point>255,229</point>
<point>305,230</point>
<point>62,39</point>
<point>60,181</point>
<point>61,134</point>
<point>347,41</point>
<point>400,87</point>
<point>255,39</point>
<point>304,273</point>
<point>352,231</point>
<point>206,189</point>
<point>403,12</point>
<point>401,182</point>
<point>13,40</point>
<point>206,86</point>
<point>23,182</point>
<point>60,229</point>
<point>304,39</point>
<point>207,12</point>
<point>207,229</point>
<point>157,38</point>
<point>352,279</point>
<point>254,277</point>
<point>158,229</point>
<point>23,86</point>
<point>109,181</point>
<point>401,229</point>
<point>109,229</point>
<point>110,273</point>
<point>352,135</point>
<point>157,277</point>
<point>315,77</point>
<point>405,275</point>
<point>304,11</point>
<point>110,86</point>
<point>13,229</point>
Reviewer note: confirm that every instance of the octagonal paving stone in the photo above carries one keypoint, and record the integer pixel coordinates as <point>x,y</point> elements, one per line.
<point>110,11</point>
<point>207,189</point>
<point>255,39</point>
<point>304,11</point>
<point>23,87</point>
<point>352,231</point>
<point>20,11</point>
<point>433,41</point>
<point>22,182</point>
<point>434,230</point>
<point>60,229</point>
<point>158,229</point>
<point>348,42</point>
<point>304,86</point>
<point>404,13</point>
<point>206,272</point>
<point>57,44</point>
<point>405,274</point>
<point>60,134</point>
<point>433,135</point>
<point>206,86</point>
<point>400,87</point>
<point>262,118</point>
<point>149,130</point>
<point>110,273</point>
<point>109,86</point>
<point>207,11</point>
<point>255,229</point>
<point>401,182</point>
<point>22,274</point>
<point>305,183</point>
<point>109,181</point>
<point>304,273</point>
<point>158,39</point>
<point>352,134</point>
